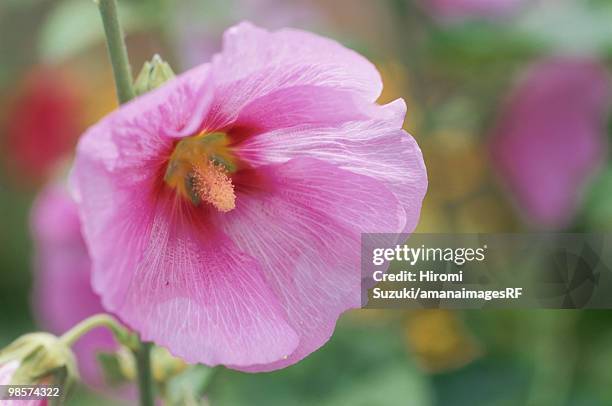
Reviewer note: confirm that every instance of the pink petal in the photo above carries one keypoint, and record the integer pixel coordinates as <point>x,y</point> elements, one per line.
<point>120,162</point>
<point>197,294</point>
<point>163,273</point>
<point>304,225</point>
<point>185,287</point>
<point>301,106</point>
<point>376,147</point>
<point>179,285</point>
<point>139,135</point>
<point>255,62</point>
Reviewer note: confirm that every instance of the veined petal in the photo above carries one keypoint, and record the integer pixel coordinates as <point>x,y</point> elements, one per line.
<point>186,287</point>
<point>255,62</point>
<point>139,134</point>
<point>376,147</point>
<point>117,170</point>
<point>304,224</point>
<point>198,294</point>
<point>301,106</point>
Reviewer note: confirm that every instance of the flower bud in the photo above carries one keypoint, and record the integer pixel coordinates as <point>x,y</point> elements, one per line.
<point>152,75</point>
<point>38,358</point>
<point>120,367</point>
<point>164,366</point>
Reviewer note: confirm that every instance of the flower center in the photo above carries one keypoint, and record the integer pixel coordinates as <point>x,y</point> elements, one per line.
<point>199,169</point>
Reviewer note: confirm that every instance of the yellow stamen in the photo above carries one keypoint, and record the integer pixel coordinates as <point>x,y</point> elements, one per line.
<point>211,184</point>
<point>199,170</point>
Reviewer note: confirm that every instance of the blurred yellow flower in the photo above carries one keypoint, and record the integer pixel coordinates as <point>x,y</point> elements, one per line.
<point>396,82</point>
<point>439,339</point>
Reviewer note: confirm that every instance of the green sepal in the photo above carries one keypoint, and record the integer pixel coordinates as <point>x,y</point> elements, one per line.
<point>43,358</point>
<point>153,74</point>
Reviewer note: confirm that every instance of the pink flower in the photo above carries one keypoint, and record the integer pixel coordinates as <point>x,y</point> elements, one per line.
<point>460,10</point>
<point>62,292</point>
<point>43,123</point>
<point>223,211</point>
<point>550,138</point>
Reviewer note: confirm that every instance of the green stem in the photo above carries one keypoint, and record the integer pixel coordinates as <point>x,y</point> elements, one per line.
<point>99,320</point>
<point>551,336</point>
<point>214,375</point>
<point>117,50</point>
<point>122,72</point>
<point>145,378</point>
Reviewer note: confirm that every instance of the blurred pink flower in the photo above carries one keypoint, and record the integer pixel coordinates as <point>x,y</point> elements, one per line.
<point>42,123</point>
<point>550,138</point>
<point>223,211</point>
<point>62,292</point>
<point>460,10</point>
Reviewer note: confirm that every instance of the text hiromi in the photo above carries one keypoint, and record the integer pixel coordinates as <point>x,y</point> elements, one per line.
<point>422,276</point>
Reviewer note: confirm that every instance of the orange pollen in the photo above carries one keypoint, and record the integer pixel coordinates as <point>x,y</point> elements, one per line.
<point>212,184</point>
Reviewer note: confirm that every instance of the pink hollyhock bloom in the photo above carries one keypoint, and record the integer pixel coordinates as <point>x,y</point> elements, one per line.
<point>223,211</point>
<point>550,138</point>
<point>460,10</point>
<point>62,293</point>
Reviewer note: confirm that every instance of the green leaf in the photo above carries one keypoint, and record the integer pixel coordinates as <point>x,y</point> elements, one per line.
<point>14,4</point>
<point>359,365</point>
<point>597,209</point>
<point>570,26</point>
<point>395,385</point>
